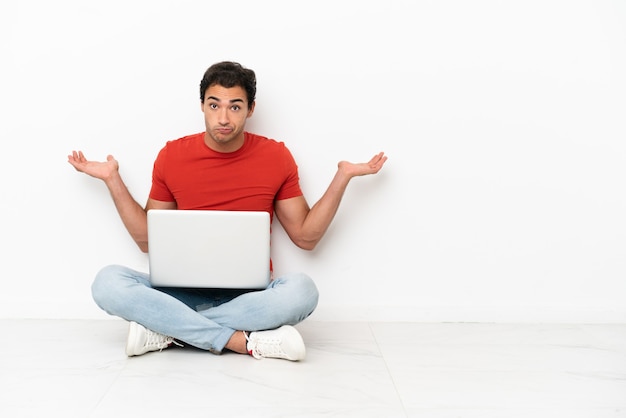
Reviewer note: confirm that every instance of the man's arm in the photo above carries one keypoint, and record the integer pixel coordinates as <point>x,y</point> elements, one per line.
<point>306,226</point>
<point>132,214</point>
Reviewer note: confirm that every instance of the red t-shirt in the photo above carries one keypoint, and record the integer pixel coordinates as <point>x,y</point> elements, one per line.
<point>188,172</point>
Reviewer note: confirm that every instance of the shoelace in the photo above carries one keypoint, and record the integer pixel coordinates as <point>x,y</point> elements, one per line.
<point>160,341</point>
<point>265,348</point>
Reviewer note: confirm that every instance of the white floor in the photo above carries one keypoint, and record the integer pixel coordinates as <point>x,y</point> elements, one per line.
<point>79,369</point>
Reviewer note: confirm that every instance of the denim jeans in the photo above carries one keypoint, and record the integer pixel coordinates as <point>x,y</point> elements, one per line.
<point>203,318</point>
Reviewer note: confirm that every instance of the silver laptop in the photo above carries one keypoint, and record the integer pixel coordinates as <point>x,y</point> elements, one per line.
<point>209,249</point>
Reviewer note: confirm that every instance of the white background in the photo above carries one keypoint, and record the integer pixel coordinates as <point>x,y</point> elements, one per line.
<point>504,122</point>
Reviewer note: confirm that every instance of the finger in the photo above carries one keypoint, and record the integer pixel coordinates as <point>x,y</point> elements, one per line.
<point>379,164</point>
<point>377,157</point>
<point>375,160</point>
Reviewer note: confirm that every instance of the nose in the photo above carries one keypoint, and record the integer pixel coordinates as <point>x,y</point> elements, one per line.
<point>222,116</point>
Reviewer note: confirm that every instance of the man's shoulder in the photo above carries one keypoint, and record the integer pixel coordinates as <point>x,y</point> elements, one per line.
<point>260,140</point>
<point>187,139</point>
<point>183,143</point>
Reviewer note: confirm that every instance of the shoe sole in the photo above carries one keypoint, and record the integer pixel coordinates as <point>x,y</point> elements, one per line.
<point>131,341</point>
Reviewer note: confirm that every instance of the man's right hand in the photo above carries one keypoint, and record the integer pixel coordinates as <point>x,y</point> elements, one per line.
<point>100,170</point>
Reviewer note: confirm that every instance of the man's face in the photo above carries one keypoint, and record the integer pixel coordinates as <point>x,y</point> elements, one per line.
<point>225,113</point>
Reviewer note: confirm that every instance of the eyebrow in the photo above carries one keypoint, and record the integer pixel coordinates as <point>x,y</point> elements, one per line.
<point>218,100</point>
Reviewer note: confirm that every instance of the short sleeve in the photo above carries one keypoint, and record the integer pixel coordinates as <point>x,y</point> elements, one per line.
<point>159,190</point>
<point>291,186</point>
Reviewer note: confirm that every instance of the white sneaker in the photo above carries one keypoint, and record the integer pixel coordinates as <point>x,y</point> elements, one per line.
<point>284,342</point>
<point>142,340</point>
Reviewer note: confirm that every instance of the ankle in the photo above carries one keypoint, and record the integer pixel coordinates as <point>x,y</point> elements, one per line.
<point>238,343</point>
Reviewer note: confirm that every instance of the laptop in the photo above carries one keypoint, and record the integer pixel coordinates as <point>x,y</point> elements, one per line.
<point>209,249</point>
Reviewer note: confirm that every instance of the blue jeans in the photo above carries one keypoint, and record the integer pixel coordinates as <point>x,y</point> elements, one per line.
<point>203,318</point>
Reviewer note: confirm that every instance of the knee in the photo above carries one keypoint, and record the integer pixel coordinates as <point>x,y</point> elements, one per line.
<point>305,295</point>
<point>310,290</point>
<point>105,285</point>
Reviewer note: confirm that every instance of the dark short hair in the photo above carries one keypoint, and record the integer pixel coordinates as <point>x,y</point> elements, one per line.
<point>229,74</point>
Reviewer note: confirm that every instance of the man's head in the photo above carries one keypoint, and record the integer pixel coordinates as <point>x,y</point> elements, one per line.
<point>230,74</point>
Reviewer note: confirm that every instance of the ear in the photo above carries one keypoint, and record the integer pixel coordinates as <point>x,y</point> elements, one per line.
<point>251,110</point>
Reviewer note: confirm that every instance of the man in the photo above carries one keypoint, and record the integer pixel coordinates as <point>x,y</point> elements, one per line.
<point>223,168</point>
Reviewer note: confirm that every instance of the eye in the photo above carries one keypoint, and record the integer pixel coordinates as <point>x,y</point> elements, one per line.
<point>212,106</point>
<point>236,107</point>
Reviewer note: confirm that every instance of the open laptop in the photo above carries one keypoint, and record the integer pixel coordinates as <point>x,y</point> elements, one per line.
<point>209,249</point>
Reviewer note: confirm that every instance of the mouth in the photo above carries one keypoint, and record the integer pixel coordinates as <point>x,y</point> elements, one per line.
<point>223,131</point>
